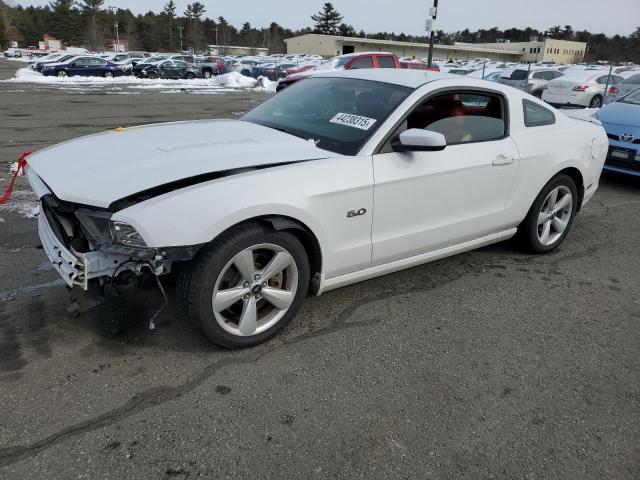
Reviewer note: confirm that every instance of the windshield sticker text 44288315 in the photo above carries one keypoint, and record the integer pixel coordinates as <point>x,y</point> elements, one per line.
<point>355,121</point>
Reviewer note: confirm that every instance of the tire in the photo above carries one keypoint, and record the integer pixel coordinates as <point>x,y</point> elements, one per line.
<point>190,76</point>
<point>596,102</point>
<point>538,94</point>
<point>62,74</point>
<point>206,74</point>
<point>214,271</point>
<point>107,74</point>
<point>152,75</point>
<point>541,219</point>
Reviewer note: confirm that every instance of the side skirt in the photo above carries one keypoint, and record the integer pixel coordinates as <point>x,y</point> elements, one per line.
<point>391,267</point>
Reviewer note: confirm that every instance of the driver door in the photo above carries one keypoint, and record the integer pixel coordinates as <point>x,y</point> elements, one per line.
<point>428,200</point>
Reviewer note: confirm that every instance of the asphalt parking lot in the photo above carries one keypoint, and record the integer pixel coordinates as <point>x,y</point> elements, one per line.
<point>491,364</point>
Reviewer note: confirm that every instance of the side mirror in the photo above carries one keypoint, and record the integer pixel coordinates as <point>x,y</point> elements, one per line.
<point>418,140</point>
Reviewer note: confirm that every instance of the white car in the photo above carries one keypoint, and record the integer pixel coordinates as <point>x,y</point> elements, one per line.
<point>343,177</point>
<point>582,88</point>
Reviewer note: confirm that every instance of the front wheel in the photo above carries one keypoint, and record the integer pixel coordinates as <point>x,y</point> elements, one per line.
<point>190,76</point>
<point>247,286</point>
<point>207,74</point>
<point>551,215</point>
<point>62,74</point>
<point>108,74</point>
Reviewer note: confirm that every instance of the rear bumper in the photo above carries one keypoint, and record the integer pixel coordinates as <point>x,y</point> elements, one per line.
<point>573,99</point>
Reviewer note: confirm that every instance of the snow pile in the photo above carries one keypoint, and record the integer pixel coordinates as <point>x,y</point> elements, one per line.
<point>222,83</point>
<point>234,80</point>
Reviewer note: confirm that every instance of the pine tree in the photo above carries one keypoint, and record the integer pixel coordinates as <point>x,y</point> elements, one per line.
<point>327,20</point>
<point>194,13</point>
<point>170,16</point>
<point>91,8</point>
<point>64,20</point>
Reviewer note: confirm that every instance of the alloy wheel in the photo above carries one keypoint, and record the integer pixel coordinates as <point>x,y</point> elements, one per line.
<point>555,215</point>
<point>255,290</point>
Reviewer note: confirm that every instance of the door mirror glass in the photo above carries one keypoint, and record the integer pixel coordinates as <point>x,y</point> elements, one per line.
<point>417,140</point>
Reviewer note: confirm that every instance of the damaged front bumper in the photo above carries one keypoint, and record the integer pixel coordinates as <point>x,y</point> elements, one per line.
<point>75,268</point>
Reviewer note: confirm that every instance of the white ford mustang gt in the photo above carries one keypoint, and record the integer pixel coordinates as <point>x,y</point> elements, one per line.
<point>337,179</point>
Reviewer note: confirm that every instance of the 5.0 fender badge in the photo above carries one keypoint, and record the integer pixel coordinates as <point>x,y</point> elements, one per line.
<point>356,213</point>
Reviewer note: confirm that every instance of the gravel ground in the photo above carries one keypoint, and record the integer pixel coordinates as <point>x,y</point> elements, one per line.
<point>491,364</point>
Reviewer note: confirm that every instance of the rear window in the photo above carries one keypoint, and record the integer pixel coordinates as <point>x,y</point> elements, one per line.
<point>634,80</point>
<point>518,75</point>
<point>536,115</point>
<point>363,62</point>
<point>386,62</point>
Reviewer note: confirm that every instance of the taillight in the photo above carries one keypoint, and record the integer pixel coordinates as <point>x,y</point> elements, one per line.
<point>580,88</point>
<point>614,90</point>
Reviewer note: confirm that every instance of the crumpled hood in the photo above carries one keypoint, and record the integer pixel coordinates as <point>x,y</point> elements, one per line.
<point>102,168</point>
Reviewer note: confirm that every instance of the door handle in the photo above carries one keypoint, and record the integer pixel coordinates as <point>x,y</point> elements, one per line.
<point>502,160</point>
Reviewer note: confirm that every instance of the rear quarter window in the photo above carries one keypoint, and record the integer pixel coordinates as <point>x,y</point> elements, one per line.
<point>536,115</point>
<point>387,62</point>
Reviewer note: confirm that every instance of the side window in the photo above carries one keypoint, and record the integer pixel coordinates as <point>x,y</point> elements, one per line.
<point>539,75</point>
<point>462,117</point>
<point>386,62</point>
<point>363,62</point>
<point>536,115</point>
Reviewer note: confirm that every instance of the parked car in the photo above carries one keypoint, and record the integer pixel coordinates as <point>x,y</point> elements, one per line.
<point>627,85</point>
<point>621,120</point>
<point>172,69</point>
<point>413,65</point>
<point>351,61</point>
<point>461,71</point>
<point>534,81</point>
<point>128,65</point>
<point>273,71</point>
<point>13,53</point>
<point>83,67</point>
<point>584,88</point>
<point>137,69</point>
<point>304,68</point>
<point>254,214</point>
<point>48,60</point>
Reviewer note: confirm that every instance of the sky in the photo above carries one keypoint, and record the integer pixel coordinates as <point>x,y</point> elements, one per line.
<point>607,16</point>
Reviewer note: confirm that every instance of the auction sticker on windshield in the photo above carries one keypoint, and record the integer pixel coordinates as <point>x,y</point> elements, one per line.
<point>355,121</point>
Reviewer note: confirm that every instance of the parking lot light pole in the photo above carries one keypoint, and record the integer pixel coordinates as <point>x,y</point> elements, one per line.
<point>434,14</point>
<point>180,30</point>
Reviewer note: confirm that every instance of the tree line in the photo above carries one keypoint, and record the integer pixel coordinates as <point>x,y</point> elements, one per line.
<point>91,24</point>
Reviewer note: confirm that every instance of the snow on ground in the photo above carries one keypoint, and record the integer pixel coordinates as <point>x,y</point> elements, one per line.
<point>219,84</point>
<point>22,202</point>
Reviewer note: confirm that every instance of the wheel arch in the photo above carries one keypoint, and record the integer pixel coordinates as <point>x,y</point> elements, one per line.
<point>578,178</point>
<point>301,231</point>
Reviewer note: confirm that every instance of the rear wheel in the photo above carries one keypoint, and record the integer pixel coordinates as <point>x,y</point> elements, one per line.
<point>207,74</point>
<point>551,216</point>
<point>596,102</point>
<point>62,74</point>
<point>152,75</point>
<point>247,286</point>
<point>190,76</point>
<point>108,74</point>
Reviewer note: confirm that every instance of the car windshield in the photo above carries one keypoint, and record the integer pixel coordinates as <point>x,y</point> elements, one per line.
<point>633,98</point>
<point>338,114</point>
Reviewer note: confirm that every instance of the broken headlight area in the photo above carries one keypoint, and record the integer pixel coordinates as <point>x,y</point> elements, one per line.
<point>85,244</point>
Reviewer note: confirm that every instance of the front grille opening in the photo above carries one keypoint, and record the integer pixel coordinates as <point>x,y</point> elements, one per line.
<point>64,224</point>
